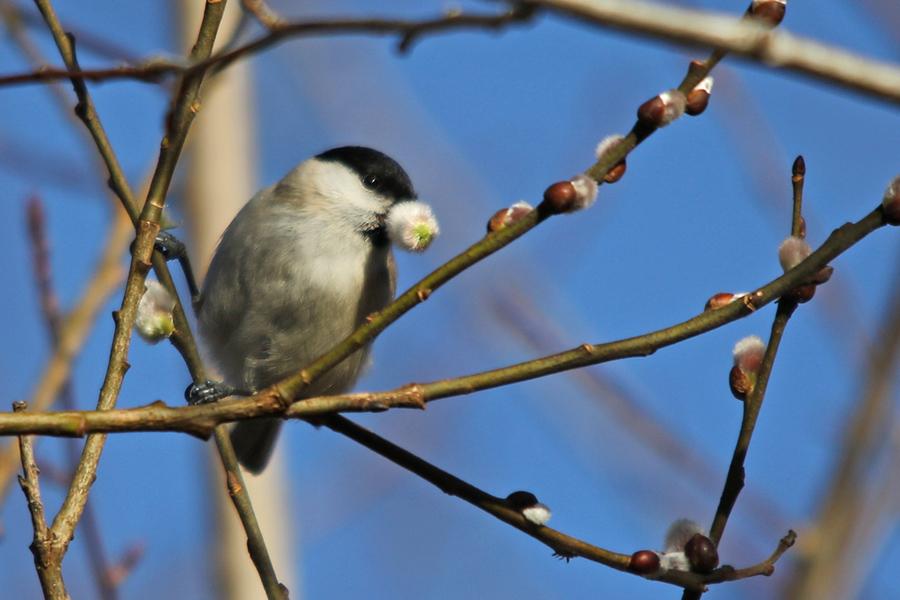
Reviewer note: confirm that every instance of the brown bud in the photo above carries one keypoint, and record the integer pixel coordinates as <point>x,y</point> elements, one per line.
<point>823,275</point>
<point>651,112</point>
<point>799,167</point>
<point>560,197</point>
<point>718,301</point>
<point>770,12</point>
<point>697,99</point>
<point>740,383</point>
<point>644,562</point>
<point>522,499</point>
<point>892,212</point>
<point>802,293</point>
<point>801,231</point>
<point>508,216</point>
<point>615,173</point>
<point>701,553</point>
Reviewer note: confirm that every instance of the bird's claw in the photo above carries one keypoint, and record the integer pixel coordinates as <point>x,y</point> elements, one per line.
<point>207,391</point>
<point>169,246</point>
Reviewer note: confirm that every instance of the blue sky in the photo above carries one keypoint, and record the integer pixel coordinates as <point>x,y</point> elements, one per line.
<point>481,120</point>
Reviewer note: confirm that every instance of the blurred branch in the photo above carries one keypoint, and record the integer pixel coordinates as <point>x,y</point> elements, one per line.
<point>407,30</point>
<point>37,228</point>
<point>843,503</point>
<point>748,39</point>
<point>200,420</point>
<point>26,18</point>
<point>670,23</point>
<point>73,332</point>
<point>85,109</point>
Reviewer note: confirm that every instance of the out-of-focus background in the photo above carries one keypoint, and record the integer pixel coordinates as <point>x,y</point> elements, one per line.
<point>481,120</point>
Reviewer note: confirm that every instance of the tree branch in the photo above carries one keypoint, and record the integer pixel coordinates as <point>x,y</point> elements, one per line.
<point>662,21</point>
<point>200,420</point>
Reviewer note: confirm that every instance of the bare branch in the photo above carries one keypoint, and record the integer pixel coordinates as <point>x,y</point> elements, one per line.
<point>670,23</point>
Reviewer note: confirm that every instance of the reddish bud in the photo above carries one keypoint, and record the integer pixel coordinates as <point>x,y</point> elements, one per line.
<point>701,553</point>
<point>823,275</point>
<point>740,383</point>
<point>508,216</point>
<point>802,294</point>
<point>651,112</point>
<point>697,99</point>
<point>661,110</point>
<point>607,145</point>
<point>696,102</point>
<point>644,562</point>
<point>560,197</point>
<point>615,173</point>
<point>718,301</point>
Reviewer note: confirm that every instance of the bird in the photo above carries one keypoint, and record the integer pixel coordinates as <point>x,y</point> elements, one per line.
<point>301,266</point>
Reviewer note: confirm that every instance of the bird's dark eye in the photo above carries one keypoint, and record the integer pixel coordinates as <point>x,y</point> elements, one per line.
<point>371,181</point>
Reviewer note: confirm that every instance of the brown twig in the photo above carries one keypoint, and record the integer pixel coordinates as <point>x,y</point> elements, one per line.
<point>766,567</point>
<point>47,558</point>
<point>562,545</point>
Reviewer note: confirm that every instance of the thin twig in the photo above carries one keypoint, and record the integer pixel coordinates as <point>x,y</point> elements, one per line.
<point>47,556</point>
<point>734,481</point>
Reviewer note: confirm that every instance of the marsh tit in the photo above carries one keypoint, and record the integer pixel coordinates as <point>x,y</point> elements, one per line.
<point>299,268</point>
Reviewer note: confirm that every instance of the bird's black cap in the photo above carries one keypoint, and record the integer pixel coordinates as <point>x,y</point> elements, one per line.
<point>377,171</point>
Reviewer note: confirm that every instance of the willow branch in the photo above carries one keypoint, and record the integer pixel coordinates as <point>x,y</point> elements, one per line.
<point>201,420</point>
<point>563,545</point>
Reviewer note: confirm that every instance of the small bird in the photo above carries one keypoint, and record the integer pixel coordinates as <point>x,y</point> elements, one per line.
<point>299,268</point>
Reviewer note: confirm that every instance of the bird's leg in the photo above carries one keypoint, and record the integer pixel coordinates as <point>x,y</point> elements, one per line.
<point>174,249</point>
